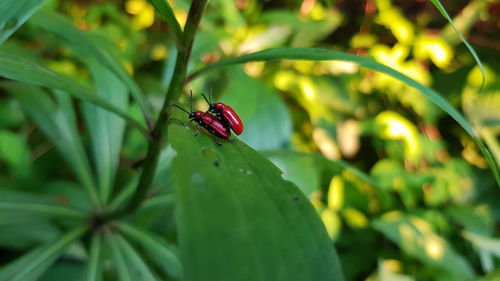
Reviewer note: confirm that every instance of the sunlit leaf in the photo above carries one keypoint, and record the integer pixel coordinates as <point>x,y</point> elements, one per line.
<point>22,69</point>
<point>85,44</point>
<point>325,54</point>
<point>445,14</point>
<point>164,9</point>
<point>416,238</point>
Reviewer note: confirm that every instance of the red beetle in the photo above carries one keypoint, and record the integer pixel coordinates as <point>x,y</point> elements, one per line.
<point>208,121</point>
<point>226,114</point>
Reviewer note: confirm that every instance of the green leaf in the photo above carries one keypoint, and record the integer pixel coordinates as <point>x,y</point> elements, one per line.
<point>317,54</point>
<point>123,271</point>
<point>13,13</point>
<point>21,69</point>
<point>42,208</point>
<point>106,129</point>
<point>445,14</point>
<point>303,168</point>
<point>164,9</point>
<point>155,247</point>
<point>416,238</point>
<point>58,125</point>
<point>135,261</point>
<point>33,264</point>
<point>94,262</point>
<point>87,45</point>
<point>14,151</point>
<point>234,206</point>
<point>264,113</point>
<point>487,247</point>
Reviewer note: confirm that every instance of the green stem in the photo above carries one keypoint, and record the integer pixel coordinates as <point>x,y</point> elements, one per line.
<point>160,131</point>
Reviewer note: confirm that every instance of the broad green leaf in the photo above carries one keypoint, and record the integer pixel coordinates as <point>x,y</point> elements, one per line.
<point>21,69</point>
<point>317,54</point>
<point>13,13</point>
<point>164,9</point>
<point>33,264</point>
<point>94,262</point>
<point>155,247</point>
<point>59,127</point>
<point>416,238</point>
<point>445,14</point>
<point>135,261</point>
<point>233,204</point>
<point>84,44</point>
<point>105,129</point>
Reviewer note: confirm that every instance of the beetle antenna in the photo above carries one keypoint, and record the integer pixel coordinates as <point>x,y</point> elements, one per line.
<point>205,97</point>
<point>181,108</point>
<point>191,101</point>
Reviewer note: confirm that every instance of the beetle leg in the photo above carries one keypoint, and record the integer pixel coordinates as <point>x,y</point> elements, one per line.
<point>178,120</point>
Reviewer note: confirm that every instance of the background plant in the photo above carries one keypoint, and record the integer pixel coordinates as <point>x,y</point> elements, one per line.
<point>414,186</point>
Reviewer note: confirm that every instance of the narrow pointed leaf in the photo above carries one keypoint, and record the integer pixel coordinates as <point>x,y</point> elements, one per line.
<point>135,261</point>
<point>105,129</point>
<point>21,69</point>
<point>85,44</point>
<point>164,9</point>
<point>319,54</point>
<point>155,247</point>
<point>235,205</point>
<point>118,258</point>
<point>13,13</point>
<point>30,266</point>
<point>445,14</point>
<point>48,209</point>
<point>60,128</point>
<point>94,262</point>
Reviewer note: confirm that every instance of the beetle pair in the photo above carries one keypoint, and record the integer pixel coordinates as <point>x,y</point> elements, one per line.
<point>218,120</point>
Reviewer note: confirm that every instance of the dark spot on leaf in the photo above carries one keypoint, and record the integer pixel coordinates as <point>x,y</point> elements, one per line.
<point>216,164</point>
<point>295,197</point>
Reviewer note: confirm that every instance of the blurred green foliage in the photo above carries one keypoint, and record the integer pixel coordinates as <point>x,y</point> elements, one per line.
<point>403,191</point>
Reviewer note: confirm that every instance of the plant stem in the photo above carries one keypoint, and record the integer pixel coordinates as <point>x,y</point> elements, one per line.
<point>160,131</point>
